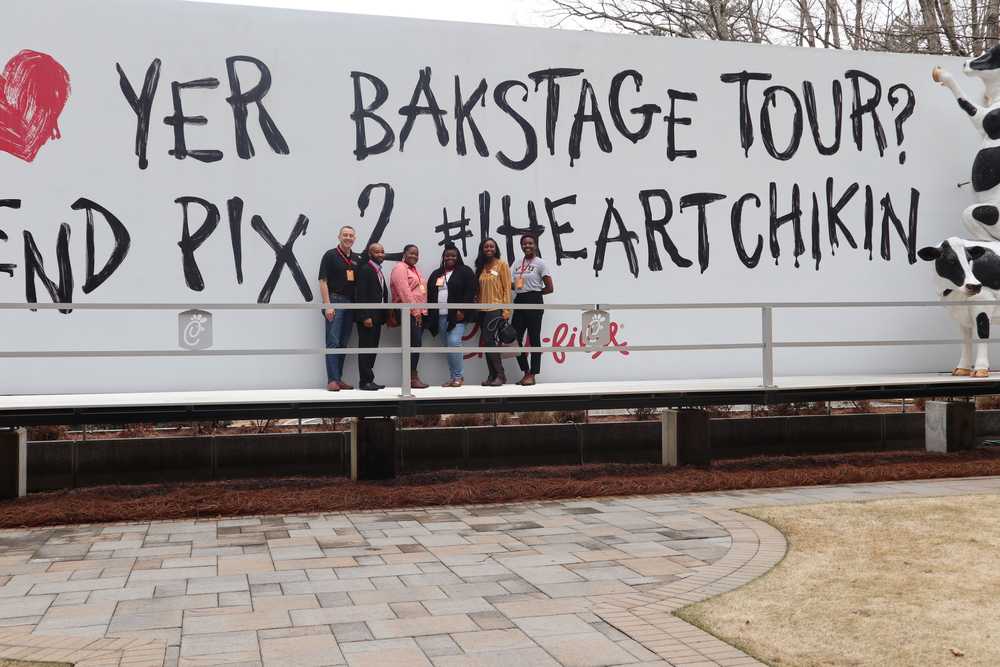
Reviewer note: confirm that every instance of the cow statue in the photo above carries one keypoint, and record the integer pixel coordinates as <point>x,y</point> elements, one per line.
<point>981,219</point>
<point>968,275</point>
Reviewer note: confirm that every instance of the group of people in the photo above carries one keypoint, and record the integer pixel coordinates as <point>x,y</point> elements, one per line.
<point>348,277</point>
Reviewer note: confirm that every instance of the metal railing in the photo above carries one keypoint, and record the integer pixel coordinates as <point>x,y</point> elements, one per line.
<point>767,344</point>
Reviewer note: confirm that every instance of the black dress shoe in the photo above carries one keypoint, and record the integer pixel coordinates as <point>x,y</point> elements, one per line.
<point>370,386</point>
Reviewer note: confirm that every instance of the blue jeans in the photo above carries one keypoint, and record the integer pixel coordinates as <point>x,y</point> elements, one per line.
<point>338,332</point>
<point>452,338</point>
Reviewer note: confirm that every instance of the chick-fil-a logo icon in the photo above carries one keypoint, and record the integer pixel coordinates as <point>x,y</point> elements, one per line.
<point>564,336</point>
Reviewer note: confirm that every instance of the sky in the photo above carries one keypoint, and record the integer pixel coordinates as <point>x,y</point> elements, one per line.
<point>504,12</point>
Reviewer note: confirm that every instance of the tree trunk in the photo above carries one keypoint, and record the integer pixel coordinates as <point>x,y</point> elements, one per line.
<point>977,33</point>
<point>754,21</point>
<point>720,19</point>
<point>810,27</point>
<point>928,9</point>
<point>859,30</point>
<point>832,21</point>
<point>915,36</point>
<point>948,24</point>
<point>990,20</point>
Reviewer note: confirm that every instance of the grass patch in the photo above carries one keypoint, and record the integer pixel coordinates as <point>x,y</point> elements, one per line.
<point>890,582</point>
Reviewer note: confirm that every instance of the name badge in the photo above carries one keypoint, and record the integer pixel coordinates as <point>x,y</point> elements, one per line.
<point>440,281</point>
<point>350,275</point>
<point>494,272</point>
<point>519,283</point>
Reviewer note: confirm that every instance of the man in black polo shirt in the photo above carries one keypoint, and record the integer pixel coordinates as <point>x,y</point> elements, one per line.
<point>337,279</point>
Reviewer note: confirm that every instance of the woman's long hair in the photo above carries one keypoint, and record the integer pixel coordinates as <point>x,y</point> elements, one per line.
<point>481,258</point>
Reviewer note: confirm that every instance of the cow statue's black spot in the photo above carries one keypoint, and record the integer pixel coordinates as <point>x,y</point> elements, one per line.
<point>986,268</point>
<point>991,123</point>
<point>983,325</point>
<point>987,214</point>
<point>986,169</point>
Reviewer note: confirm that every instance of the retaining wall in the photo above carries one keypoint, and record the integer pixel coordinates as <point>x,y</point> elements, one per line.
<point>69,464</point>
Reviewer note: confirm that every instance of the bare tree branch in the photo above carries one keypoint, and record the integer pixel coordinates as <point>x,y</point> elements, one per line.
<point>956,27</point>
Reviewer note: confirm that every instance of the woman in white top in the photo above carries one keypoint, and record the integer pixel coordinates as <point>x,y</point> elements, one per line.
<point>531,281</point>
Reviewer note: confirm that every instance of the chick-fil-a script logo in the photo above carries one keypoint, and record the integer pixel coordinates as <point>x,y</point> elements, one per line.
<point>564,336</point>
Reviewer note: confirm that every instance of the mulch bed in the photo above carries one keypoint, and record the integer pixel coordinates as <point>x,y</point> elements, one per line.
<point>453,487</point>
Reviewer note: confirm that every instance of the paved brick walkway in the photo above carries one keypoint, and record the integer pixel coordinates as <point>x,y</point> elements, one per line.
<point>579,582</point>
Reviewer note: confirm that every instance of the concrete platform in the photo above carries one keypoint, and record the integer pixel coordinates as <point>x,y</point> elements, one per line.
<point>263,403</point>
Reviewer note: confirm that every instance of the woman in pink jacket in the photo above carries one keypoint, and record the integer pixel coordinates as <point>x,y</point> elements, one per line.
<point>409,286</point>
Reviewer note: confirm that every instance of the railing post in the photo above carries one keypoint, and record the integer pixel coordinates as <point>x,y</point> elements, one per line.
<point>404,343</point>
<point>767,345</point>
<point>13,463</point>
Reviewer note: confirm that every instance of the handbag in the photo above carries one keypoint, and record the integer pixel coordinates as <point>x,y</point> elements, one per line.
<point>504,335</point>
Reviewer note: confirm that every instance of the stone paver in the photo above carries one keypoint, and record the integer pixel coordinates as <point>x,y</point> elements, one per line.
<point>577,582</point>
<point>305,650</point>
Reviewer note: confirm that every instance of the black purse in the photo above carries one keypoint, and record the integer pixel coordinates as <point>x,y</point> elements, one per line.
<point>506,335</point>
<point>502,332</point>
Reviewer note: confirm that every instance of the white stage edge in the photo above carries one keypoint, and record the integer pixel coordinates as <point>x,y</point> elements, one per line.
<point>478,393</point>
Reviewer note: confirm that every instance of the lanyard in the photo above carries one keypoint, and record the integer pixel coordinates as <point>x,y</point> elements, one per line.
<point>347,258</point>
<point>378,270</point>
<point>524,265</point>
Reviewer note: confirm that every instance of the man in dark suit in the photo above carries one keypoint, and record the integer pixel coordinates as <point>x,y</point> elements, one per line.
<point>371,288</point>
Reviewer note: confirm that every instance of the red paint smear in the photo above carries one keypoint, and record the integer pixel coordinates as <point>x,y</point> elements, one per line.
<point>33,91</point>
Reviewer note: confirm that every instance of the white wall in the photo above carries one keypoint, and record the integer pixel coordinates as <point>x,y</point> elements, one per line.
<point>311,57</point>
